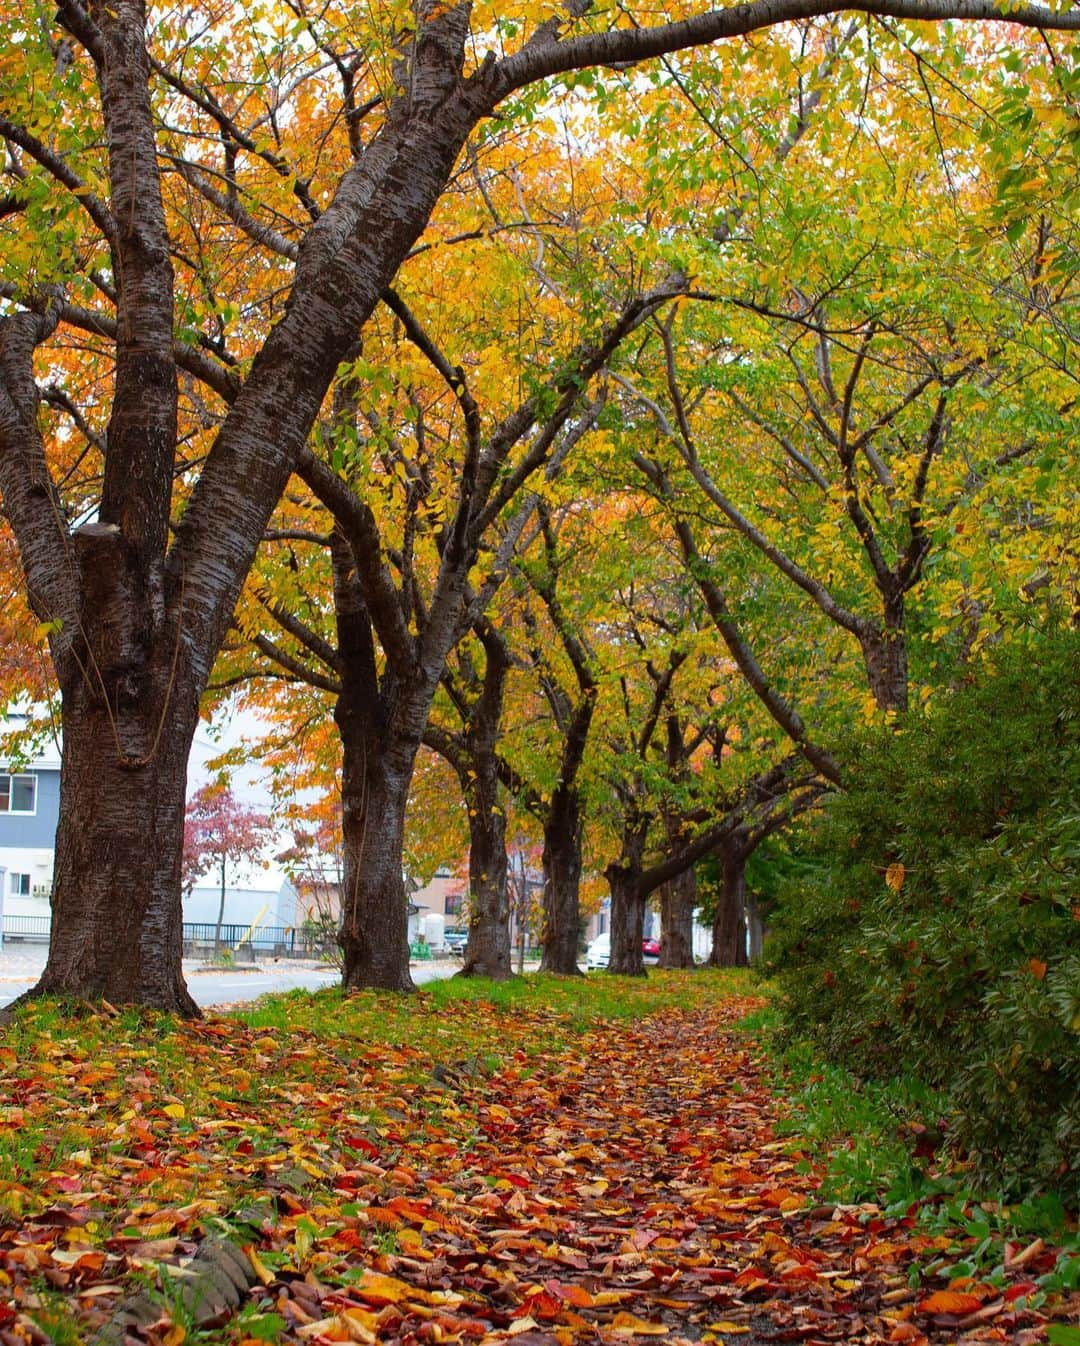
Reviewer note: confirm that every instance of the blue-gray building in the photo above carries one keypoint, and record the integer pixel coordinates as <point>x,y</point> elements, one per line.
<point>29,808</point>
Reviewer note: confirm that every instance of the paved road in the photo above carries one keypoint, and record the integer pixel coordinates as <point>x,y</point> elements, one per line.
<point>225,987</point>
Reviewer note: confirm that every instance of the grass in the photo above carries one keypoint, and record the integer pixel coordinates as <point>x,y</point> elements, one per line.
<point>574,1005</point>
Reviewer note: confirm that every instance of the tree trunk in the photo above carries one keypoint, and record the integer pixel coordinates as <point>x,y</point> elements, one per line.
<point>727,923</point>
<point>116,911</point>
<point>221,908</point>
<point>742,933</point>
<point>677,900</point>
<point>562,882</point>
<point>627,922</point>
<point>885,656</point>
<point>487,953</point>
<point>374,934</point>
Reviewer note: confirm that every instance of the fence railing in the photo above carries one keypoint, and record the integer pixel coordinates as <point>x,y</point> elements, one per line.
<point>281,941</point>
<point>29,928</point>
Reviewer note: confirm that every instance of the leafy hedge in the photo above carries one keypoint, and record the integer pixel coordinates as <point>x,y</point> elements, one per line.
<point>940,935</point>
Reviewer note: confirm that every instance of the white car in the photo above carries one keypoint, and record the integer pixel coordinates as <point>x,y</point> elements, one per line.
<point>598,954</point>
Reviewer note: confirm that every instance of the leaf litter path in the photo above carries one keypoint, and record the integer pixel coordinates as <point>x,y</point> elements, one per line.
<point>622,1184</point>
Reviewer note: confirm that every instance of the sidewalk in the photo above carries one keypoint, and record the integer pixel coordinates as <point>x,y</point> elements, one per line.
<point>23,963</point>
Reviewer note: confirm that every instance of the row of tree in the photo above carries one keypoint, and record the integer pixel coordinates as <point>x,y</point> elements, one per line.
<point>617,447</point>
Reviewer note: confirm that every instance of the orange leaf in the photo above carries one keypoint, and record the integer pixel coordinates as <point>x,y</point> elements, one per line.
<point>950,1301</point>
<point>894,877</point>
<point>571,1294</point>
<point>1037,968</point>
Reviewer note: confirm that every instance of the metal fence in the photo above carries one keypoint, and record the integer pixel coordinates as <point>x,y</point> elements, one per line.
<point>280,941</point>
<point>29,929</point>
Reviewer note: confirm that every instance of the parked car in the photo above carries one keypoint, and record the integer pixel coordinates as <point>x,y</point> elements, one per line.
<point>598,954</point>
<point>455,940</point>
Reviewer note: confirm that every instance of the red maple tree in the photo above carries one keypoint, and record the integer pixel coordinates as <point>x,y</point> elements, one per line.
<point>219,830</point>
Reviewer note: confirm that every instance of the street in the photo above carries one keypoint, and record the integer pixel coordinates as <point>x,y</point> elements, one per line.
<point>217,986</point>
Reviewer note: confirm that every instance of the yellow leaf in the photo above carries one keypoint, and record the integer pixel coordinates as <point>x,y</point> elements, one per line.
<point>894,877</point>
<point>258,1265</point>
<point>637,1327</point>
<point>388,1289</point>
<point>174,1110</point>
<point>360,1325</point>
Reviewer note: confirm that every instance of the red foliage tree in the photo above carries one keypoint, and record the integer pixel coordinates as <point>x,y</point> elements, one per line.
<point>218,831</point>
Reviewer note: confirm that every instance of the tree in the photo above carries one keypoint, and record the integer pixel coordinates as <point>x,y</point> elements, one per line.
<point>240,127</point>
<point>220,831</point>
<point>477,694</point>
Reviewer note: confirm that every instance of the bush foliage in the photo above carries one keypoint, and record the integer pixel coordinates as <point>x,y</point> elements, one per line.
<point>939,934</point>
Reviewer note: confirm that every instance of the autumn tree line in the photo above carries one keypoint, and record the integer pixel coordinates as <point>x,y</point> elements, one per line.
<point>561,423</point>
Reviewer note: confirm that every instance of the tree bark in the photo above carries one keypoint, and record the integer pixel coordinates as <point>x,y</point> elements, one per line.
<point>885,656</point>
<point>378,755</point>
<point>116,911</point>
<point>627,921</point>
<point>562,882</point>
<point>678,898</point>
<point>727,923</point>
<point>374,934</point>
<point>488,952</point>
<point>474,756</point>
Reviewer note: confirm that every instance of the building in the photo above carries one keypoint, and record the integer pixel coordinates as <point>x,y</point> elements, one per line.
<point>265,913</point>
<point>29,809</point>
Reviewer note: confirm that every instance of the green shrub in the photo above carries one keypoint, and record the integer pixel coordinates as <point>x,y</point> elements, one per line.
<point>964,970</point>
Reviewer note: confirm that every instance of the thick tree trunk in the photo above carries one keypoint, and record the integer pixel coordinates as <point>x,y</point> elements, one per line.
<point>374,934</point>
<point>562,883</point>
<point>727,924</point>
<point>627,922</point>
<point>116,911</point>
<point>677,900</point>
<point>487,953</point>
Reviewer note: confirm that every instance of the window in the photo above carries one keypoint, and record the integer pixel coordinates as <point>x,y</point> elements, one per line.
<point>20,884</point>
<point>453,904</point>
<point>18,794</point>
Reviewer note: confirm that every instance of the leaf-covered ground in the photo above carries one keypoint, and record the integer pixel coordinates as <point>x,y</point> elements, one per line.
<point>553,1164</point>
